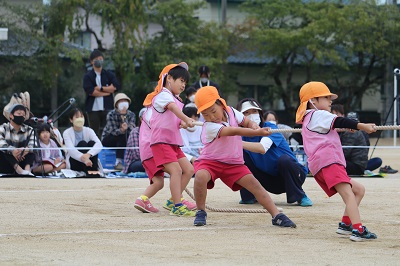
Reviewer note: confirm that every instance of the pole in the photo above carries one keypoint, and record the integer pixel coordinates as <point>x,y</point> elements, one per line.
<point>395,102</point>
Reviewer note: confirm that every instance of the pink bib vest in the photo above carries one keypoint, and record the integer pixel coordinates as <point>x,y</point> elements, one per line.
<point>165,125</point>
<point>227,149</point>
<point>322,149</point>
<point>144,138</point>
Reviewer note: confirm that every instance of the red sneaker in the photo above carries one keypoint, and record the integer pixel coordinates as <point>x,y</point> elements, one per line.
<point>190,205</point>
<point>145,206</point>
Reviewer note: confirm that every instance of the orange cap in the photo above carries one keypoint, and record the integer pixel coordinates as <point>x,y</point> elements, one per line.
<point>206,97</point>
<point>161,77</point>
<point>308,91</point>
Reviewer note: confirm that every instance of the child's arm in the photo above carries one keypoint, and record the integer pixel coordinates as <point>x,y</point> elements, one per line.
<point>344,122</point>
<point>178,112</point>
<point>258,147</point>
<point>369,128</point>
<point>245,132</point>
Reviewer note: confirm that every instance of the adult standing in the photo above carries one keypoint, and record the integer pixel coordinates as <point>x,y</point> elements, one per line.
<point>204,79</point>
<point>271,160</point>
<point>120,122</point>
<point>18,139</point>
<point>99,85</point>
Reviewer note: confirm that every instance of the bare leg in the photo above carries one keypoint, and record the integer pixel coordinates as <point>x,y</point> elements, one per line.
<point>157,185</point>
<point>175,172</point>
<point>250,183</point>
<point>187,172</point>
<point>351,200</point>
<point>200,188</point>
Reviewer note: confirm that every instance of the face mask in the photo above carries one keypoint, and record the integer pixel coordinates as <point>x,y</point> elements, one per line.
<point>98,63</point>
<point>255,118</point>
<point>122,106</point>
<point>191,98</point>
<point>79,122</point>
<point>19,119</point>
<point>204,80</point>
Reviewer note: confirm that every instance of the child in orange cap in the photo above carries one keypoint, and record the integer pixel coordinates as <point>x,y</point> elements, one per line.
<point>325,155</point>
<point>165,141</point>
<point>222,155</point>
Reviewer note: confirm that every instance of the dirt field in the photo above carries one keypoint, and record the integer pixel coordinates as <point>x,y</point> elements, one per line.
<point>93,222</point>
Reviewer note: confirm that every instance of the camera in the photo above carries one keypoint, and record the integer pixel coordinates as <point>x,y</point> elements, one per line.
<point>396,71</point>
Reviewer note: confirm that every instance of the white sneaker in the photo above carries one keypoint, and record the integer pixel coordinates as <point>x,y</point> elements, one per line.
<point>26,172</point>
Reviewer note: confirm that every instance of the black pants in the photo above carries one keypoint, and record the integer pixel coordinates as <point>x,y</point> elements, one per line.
<point>136,166</point>
<point>97,121</point>
<point>8,161</point>
<point>354,169</point>
<point>291,178</point>
<point>116,141</point>
<point>78,165</point>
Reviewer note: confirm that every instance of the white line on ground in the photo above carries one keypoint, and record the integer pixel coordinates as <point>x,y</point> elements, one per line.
<point>122,231</point>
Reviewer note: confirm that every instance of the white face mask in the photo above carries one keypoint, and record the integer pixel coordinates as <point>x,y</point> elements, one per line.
<point>204,80</point>
<point>191,98</point>
<point>255,118</point>
<point>122,106</point>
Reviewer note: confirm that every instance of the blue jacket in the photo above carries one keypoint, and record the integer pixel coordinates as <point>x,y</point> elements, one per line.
<point>268,162</point>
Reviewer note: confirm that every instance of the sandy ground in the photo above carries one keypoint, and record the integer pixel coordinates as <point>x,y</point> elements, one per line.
<point>93,222</point>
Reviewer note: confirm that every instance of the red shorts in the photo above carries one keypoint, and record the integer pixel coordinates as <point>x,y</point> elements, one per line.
<point>152,169</point>
<point>165,153</point>
<point>228,173</point>
<point>331,175</point>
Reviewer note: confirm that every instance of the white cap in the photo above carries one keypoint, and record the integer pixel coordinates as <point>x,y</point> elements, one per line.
<point>249,105</point>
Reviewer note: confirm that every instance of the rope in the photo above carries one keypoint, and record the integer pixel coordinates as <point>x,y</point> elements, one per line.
<point>235,210</point>
<point>298,130</point>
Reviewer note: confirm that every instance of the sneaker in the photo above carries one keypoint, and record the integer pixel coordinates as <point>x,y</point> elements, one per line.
<point>282,220</point>
<point>201,217</point>
<point>365,235</point>
<point>26,172</point>
<point>387,170</point>
<point>168,204</point>
<point>118,166</point>
<point>145,206</point>
<point>182,211</point>
<point>190,205</point>
<point>344,229</point>
<point>252,201</point>
<point>305,202</point>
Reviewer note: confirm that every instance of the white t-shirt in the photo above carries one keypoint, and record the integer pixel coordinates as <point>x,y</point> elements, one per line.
<point>163,99</point>
<point>98,104</point>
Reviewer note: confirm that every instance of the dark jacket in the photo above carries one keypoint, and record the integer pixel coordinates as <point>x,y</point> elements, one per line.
<point>89,83</point>
<point>358,156</point>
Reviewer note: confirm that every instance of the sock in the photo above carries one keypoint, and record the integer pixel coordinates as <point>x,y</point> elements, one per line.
<point>178,204</point>
<point>346,220</point>
<point>144,197</point>
<point>358,227</point>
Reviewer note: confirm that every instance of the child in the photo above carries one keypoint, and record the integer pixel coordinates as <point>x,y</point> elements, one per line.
<point>165,139</point>
<point>325,155</point>
<point>222,155</point>
<point>51,159</point>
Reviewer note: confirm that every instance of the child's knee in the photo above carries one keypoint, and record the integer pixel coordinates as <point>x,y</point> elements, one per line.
<point>202,176</point>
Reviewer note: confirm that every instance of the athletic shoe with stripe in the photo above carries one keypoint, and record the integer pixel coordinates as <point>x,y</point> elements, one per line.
<point>282,220</point>
<point>344,229</point>
<point>365,235</point>
<point>201,217</point>
<point>182,211</point>
<point>145,206</point>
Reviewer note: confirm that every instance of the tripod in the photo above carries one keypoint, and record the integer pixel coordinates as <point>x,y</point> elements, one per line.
<point>393,106</point>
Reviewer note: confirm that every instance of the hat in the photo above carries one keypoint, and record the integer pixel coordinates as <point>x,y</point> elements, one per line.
<point>142,111</point>
<point>247,105</point>
<point>206,97</point>
<point>121,96</point>
<point>161,77</point>
<point>308,91</point>
<point>94,54</point>
<point>16,107</point>
<point>354,116</point>
<point>204,70</point>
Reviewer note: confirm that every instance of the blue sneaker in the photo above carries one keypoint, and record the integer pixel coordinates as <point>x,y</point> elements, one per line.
<point>200,219</point>
<point>283,220</point>
<point>305,202</point>
<point>252,201</point>
<point>344,229</point>
<point>365,235</point>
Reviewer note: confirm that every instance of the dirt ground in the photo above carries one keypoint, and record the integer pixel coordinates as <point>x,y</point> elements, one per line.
<point>93,222</point>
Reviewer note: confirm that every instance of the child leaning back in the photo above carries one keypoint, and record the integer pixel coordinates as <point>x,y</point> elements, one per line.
<point>222,155</point>
<point>165,139</point>
<point>325,155</point>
